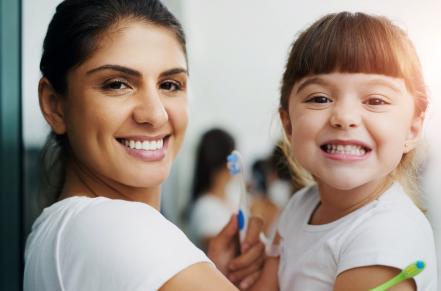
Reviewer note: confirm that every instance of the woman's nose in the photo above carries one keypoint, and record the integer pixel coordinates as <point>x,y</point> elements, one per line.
<point>150,109</point>
<point>345,115</point>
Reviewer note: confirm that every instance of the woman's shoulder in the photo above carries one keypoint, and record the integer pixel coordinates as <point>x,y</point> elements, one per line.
<point>115,220</point>
<point>127,241</point>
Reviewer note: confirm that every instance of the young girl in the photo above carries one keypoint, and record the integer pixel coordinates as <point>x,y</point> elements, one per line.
<point>352,106</point>
<point>212,207</point>
<point>113,91</point>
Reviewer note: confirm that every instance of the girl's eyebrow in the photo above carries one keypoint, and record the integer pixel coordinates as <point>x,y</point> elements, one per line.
<point>133,72</point>
<point>385,83</point>
<point>314,80</point>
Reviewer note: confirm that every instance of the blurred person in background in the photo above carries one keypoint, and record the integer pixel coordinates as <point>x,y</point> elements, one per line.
<point>271,188</point>
<point>211,207</point>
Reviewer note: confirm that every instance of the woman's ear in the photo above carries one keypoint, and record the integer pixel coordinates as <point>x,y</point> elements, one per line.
<point>415,130</point>
<point>286,122</point>
<point>51,106</point>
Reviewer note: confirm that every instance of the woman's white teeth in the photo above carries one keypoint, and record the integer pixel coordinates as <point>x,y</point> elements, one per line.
<point>144,145</point>
<point>353,150</point>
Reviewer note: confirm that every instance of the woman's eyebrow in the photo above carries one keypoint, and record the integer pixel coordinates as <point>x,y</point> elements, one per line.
<point>174,71</point>
<point>314,80</point>
<point>117,68</point>
<point>133,72</point>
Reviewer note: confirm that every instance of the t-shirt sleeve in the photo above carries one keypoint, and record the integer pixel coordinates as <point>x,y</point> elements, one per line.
<point>119,245</point>
<point>390,239</point>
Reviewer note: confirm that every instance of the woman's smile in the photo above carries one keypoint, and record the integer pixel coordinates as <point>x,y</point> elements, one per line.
<point>148,149</point>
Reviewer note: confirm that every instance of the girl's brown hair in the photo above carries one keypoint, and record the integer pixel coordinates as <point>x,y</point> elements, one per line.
<point>357,43</point>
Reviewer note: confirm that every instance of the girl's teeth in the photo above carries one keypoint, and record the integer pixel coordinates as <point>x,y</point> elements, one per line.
<point>144,145</point>
<point>352,150</point>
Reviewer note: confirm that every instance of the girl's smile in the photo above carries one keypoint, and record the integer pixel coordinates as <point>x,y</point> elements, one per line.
<point>346,150</point>
<point>350,129</point>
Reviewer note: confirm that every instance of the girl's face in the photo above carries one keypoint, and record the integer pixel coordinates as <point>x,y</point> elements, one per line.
<point>349,130</point>
<point>125,113</point>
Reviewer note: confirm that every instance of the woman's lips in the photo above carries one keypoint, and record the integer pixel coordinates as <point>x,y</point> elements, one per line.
<point>148,150</point>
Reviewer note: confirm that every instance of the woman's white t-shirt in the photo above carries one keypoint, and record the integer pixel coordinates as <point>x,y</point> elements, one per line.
<point>83,243</point>
<point>389,231</point>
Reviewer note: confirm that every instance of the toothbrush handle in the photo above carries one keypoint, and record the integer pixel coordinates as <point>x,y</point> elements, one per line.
<point>392,282</point>
<point>242,224</point>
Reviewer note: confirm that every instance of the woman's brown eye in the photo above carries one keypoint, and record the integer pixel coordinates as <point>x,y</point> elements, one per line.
<point>115,85</point>
<point>170,86</point>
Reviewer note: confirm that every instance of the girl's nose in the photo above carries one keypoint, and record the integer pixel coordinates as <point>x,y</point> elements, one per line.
<point>345,115</point>
<point>150,109</point>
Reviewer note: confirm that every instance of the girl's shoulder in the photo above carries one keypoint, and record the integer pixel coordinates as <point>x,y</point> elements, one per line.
<point>299,207</point>
<point>305,198</point>
<point>391,232</point>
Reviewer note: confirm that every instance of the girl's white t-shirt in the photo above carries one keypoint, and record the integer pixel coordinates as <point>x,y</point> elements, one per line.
<point>83,243</point>
<point>389,231</point>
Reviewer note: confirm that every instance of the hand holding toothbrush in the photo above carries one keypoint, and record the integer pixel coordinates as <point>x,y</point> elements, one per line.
<point>241,267</point>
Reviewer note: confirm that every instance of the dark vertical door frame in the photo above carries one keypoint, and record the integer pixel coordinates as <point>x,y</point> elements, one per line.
<point>11,237</point>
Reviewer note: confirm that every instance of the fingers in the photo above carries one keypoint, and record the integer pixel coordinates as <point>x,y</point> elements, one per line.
<point>249,280</point>
<point>241,274</point>
<point>224,246</point>
<point>229,230</point>
<point>255,254</point>
<point>255,225</point>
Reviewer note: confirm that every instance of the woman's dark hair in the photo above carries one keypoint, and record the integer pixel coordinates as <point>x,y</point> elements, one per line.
<point>72,36</point>
<point>211,156</point>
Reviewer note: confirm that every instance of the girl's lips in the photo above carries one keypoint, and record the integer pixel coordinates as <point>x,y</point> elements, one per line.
<point>147,155</point>
<point>346,157</point>
<point>345,150</point>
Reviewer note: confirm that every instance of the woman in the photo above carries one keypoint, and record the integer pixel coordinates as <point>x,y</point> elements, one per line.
<point>114,93</point>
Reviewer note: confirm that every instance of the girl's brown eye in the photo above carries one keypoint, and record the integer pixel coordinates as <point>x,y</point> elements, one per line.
<point>319,99</point>
<point>376,101</point>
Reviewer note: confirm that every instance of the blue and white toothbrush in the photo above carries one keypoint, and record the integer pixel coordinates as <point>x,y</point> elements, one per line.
<point>236,168</point>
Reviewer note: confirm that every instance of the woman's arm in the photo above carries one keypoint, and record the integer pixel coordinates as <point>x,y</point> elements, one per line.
<point>198,277</point>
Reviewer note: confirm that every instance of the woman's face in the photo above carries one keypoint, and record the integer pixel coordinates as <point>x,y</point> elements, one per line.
<point>125,112</point>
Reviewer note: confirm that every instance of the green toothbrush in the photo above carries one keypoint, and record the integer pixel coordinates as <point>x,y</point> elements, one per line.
<point>409,272</point>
